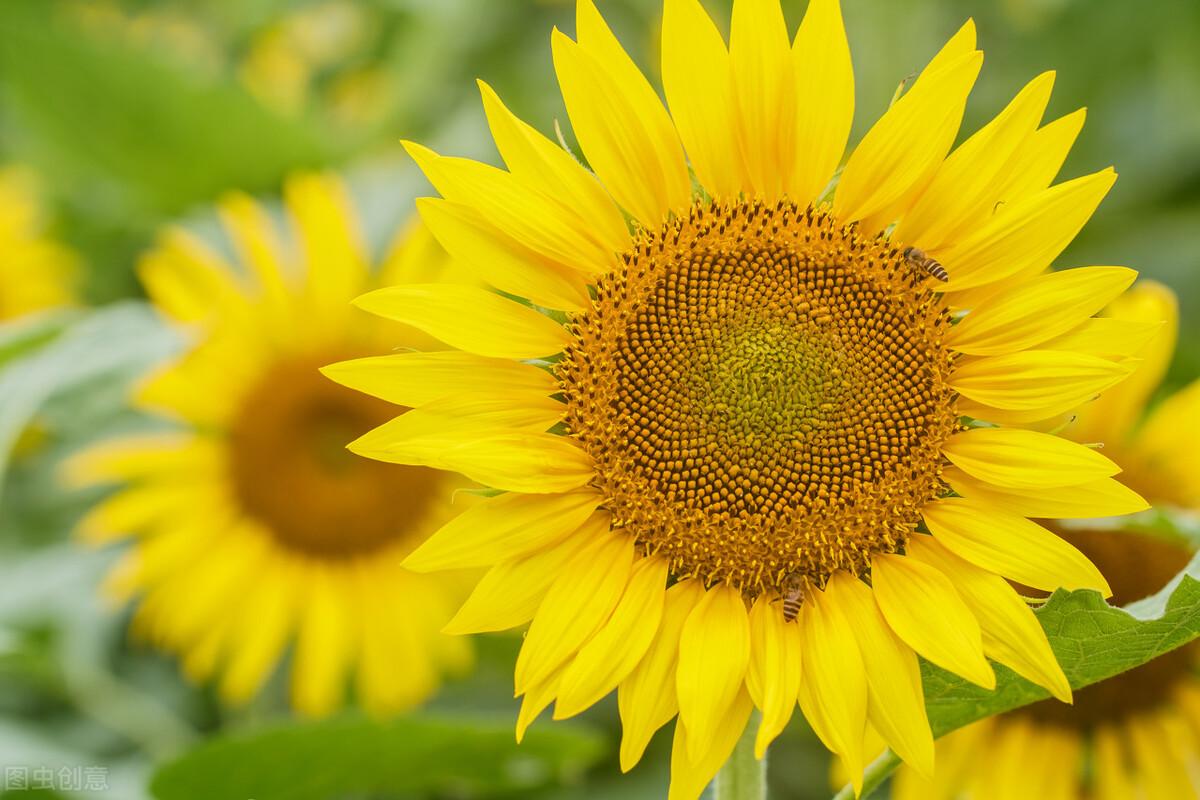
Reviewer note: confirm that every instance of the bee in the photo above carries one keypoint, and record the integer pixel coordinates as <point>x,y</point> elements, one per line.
<point>791,600</point>
<point>923,262</point>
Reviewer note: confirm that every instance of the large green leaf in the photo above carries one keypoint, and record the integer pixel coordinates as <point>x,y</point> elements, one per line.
<point>1092,640</point>
<point>351,756</point>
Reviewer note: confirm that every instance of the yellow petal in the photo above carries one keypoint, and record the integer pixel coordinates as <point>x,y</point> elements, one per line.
<point>1114,415</point>
<point>545,166</point>
<point>622,127</point>
<point>470,319</point>
<point>1011,545</point>
<point>1114,339</point>
<point>613,653</point>
<point>336,263</point>
<point>1113,780</point>
<point>1102,498</point>
<point>187,280</point>
<point>896,703</point>
<point>1168,447</point>
<point>824,81</point>
<point>322,647</point>
<point>764,88</point>
<point>691,774</point>
<point>904,148</point>
<point>538,696</point>
<point>1026,235</point>
<point>699,89</point>
<point>1021,459</point>
<point>773,677</point>
<point>414,379</point>
<point>579,601</point>
<point>510,593</point>
<point>153,455</point>
<point>503,528</point>
<point>528,216</point>
<point>833,686</point>
<point>960,193</point>
<point>500,260</point>
<point>714,652</point>
<point>647,699</point>
<point>923,608</point>
<point>257,245</point>
<point>1040,382</point>
<point>1038,310</point>
<point>1040,158</point>
<point>1012,634</point>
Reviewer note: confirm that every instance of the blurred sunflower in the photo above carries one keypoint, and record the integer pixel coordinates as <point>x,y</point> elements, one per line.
<point>1136,735</point>
<point>740,412</point>
<point>251,525</point>
<point>36,272</point>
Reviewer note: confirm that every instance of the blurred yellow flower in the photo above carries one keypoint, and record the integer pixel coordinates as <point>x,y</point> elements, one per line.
<point>36,272</point>
<point>250,524</point>
<point>760,386</point>
<point>1136,735</point>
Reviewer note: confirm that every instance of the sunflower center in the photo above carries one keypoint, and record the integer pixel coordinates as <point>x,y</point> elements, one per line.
<point>1136,566</point>
<point>764,394</point>
<point>292,473</point>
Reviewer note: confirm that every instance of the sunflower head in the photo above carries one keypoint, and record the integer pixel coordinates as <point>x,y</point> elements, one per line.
<point>250,528</point>
<point>767,436</point>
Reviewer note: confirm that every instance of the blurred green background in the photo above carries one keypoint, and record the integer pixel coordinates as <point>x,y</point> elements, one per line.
<point>134,114</point>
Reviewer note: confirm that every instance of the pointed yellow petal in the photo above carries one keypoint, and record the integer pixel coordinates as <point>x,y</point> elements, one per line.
<point>1040,158</point>
<point>1026,235</point>
<point>187,280</point>
<point>1102,498</point>
<point>538,696</point>
<point>825,81</point>
<point>262,627</point>
<point>470,319</point>
<point>334,251</point>
<point>1114,415</point>
<point>545,166</point>
<point>699,89</point>
<point>1113,781</point>
<point>256,242</point>
<point>1021,459</point>
<point>904,148</point>
<point>503,528</point>
<point>923,608</point>
<point>499,259</point>
<point>613,653</point>
<point>510,593</point>
<point>1168,446</point>
<point>576,606</point>
<point>714,652</point>
<point>414,379</point>
<point>1038,310</point>
<point>528,216</point>
<point>690,775</point>
<point>1011,546</point>
<point>960,193</point>
<point>622,127</point>
<point>322,648</point>
<point>764,88</point>
<point>1012,634</point>
<point>896,704</point>
<point>647,699</point>
<point>773,677</point>
<point>833,685</point>
<point>1114,339</point>
<point>1041,382</point>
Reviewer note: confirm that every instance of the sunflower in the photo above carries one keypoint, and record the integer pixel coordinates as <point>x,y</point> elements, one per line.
<point>36,273</point>
<point>724,406</point>
<point>1136,734</point>
<point>251,525</point>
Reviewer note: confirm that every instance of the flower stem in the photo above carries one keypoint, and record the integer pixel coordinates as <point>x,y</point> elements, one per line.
<point>877,772</point>
<point>743,777</point>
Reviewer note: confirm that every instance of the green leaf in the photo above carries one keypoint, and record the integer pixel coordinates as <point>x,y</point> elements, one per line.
<point>352,756</point>
<point>109,342</point>
<point>1093,641</point>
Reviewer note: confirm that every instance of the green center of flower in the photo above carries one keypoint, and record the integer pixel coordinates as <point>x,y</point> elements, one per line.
<point>764,394</point>
<point>292,473</point>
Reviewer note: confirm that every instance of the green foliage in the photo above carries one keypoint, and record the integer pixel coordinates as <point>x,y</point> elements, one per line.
<point>1092,640</point>
<point>348,756</point>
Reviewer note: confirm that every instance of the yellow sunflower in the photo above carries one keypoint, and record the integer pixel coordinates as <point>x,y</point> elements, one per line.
<point>1136,735</point>
<point>36,272</point>
<point>251,526</point>
<point>721,411</point>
